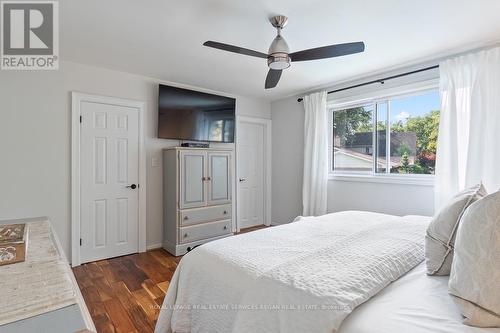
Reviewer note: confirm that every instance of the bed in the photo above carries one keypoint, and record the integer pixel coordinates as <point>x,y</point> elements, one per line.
<point>415,303</point>
<point>347,272</point>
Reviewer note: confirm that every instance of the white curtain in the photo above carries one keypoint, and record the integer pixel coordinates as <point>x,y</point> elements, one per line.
<point>468,149</point>
<point>315,155</point>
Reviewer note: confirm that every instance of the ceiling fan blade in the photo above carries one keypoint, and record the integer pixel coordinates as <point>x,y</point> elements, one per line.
<point>235,49</point>
<point>328,51</point>
<point>273,76</point>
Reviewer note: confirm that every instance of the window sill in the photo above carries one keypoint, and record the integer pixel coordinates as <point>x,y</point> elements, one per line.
<point>418,180</point>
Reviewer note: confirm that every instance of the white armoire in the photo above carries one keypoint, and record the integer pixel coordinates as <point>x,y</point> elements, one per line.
<point>197,200</point>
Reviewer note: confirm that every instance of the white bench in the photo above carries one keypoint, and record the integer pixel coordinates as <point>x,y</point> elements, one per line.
<point>26,306</point>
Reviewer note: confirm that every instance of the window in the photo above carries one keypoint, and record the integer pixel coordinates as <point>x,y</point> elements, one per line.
<point>397,135</point>
<point>353,139</point>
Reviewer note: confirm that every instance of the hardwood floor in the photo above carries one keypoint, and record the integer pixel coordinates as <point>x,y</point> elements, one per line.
<point>257,227</point>
<point>124,294</point>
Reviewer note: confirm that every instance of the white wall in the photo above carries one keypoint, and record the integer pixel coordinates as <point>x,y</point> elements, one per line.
<point>35,137</point>
<point>288,146</point>
<point>396,199</point>
<point>288,159</point>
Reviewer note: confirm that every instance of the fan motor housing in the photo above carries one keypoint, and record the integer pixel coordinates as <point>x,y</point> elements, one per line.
<point>278,60</point>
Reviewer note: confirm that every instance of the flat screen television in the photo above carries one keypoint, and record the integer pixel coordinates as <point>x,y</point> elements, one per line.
<point>195,116</point>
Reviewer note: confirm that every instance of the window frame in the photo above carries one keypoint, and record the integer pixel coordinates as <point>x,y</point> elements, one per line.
<point>379,96</point>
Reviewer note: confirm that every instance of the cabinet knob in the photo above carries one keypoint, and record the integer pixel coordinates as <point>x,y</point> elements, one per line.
<point>209,178</point>
<point>225,212</point>
<point>186,218</point>
<point>225,227</point>
<point>185,235</point>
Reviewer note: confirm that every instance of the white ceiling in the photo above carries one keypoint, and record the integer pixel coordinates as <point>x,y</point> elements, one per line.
<point>163,38</point>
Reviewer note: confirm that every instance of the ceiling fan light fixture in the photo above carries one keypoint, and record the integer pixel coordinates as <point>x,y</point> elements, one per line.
<point>278,61</point>
<point>279,45</point>
<point>279,56</point>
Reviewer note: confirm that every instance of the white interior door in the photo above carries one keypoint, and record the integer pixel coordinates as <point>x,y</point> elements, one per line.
<point>250,165</point>
<point>109,171</point>
<point>219,182</point>
<point>193,179</point>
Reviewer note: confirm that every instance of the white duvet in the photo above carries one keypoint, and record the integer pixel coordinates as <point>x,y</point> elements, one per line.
<point>305,276</point>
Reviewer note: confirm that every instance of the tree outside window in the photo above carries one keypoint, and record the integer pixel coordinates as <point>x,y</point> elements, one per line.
<point>402,140</point>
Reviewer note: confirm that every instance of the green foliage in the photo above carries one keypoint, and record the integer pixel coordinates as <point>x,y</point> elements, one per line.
<point>398,127</point>
<point>412,168</point>
<point>347,123</point>
<point>381,125</point>
<point>403,149</point>
<point>425,127</point>
<point>405,162</point>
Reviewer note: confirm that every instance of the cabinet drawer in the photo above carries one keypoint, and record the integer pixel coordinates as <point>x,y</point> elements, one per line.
<point>205,230</point>
<point>205,214</point>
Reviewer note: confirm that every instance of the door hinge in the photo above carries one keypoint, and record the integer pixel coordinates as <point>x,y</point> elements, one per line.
<point>81,119</point>
<point>81,242</point>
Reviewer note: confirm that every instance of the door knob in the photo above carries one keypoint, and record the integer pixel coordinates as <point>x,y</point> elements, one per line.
<point>242,180</point>
<point>133,186</point>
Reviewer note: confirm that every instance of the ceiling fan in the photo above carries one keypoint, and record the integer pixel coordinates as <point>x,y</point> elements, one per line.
<point>279,56</point>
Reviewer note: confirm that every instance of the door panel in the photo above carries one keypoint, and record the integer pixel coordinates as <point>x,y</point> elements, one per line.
<point>100,148</point>
<point>122,217</point>
<point>100,223</point>
<point>251,174</point>
<point>122,157</point>
<point>219,171</point>
<point>192,175</point>
<point>109,216</point>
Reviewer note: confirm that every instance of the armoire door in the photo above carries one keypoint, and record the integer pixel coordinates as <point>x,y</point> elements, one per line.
<point>192,179</point>
<point>219,178</point>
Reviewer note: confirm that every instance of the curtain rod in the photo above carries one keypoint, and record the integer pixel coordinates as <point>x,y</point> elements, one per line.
<point>381,81</point>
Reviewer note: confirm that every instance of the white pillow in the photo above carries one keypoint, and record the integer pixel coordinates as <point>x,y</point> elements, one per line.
<point>440,236</point>
<point>475,273</point>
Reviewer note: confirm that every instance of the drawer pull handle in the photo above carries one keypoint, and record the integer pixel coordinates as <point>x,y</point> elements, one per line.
<point>225,212</point>
<point>185,235</point>
<point>186,218</point>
